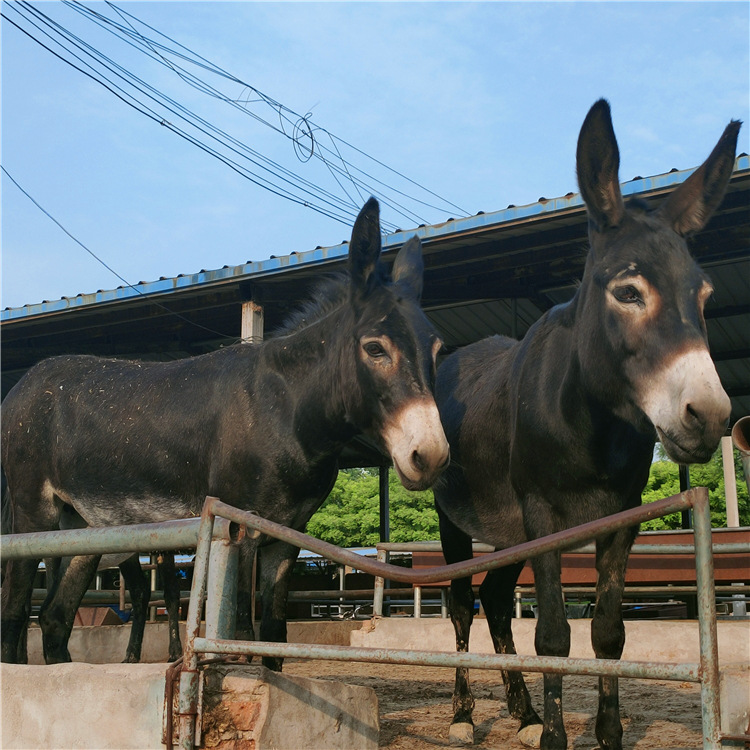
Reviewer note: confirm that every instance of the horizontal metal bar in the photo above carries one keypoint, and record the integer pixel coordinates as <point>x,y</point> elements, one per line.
<point>719,548</point>
<point>680,672</point>
<point>560,540</point>
<point>162,537</point>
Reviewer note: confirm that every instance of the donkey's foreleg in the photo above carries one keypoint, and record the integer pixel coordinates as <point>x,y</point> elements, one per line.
<point>457,546</point>
<point>552,638</point>
<point>57,617</point>
<point>496,593</point>
<point>246,575</point>
<point>608,630</point>
<point>461,605</point>
<point>15,608</point>
<point>276,565</point>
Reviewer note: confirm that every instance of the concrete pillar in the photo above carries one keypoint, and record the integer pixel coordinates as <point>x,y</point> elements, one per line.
<point>730,482</point>
<point>252,322</point>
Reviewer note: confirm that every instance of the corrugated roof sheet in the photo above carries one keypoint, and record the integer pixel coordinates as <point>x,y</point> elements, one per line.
<point>323,255</point>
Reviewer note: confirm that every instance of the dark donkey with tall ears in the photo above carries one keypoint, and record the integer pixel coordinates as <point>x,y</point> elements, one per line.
<point>559,429</point>
<point>259,426</point>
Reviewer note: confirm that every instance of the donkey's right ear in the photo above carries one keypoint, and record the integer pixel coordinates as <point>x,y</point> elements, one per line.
<point>364,248</point>
<point>598,166</point>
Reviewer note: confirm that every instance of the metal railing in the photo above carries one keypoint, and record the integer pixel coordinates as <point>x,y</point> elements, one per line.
<point>384,549</point>
<point>216,541</point>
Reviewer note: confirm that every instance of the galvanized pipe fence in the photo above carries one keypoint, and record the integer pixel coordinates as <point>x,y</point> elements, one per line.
<point>216,537</point>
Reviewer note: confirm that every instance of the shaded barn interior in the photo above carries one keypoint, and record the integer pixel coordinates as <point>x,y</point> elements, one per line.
<point>489,273</point>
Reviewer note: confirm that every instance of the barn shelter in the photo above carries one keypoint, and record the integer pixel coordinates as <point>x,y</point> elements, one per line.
<point>490,273</point>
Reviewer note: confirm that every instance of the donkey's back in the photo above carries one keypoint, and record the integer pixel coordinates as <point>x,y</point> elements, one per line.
<point>93,430</point>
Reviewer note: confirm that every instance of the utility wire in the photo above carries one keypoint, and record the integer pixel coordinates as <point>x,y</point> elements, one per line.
<point>104,263</point>
<point>95,75</point>
<point>285,114</point>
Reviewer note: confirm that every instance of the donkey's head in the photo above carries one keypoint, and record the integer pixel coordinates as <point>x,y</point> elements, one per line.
<point>396,349</point>
<point>645,345</point>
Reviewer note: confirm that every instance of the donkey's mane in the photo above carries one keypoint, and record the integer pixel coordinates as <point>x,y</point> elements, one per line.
<point>327,295</point>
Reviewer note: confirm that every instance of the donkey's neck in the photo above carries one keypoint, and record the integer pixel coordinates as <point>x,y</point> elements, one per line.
<point>317,366</point>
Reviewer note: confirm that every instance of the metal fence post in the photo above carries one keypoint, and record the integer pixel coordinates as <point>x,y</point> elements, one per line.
<point>221,606</point>
<point>709,647</point>
<point>188,698</point>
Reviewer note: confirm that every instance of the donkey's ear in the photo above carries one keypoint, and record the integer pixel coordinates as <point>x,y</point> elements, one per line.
<point>598,165</point>
<point>408,268</point>
<point>690,206</point>
<point>364,248</point>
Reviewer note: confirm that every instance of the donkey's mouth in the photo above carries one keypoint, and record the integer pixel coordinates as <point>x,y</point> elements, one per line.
<point>412,484</point>
<point>680,453</point>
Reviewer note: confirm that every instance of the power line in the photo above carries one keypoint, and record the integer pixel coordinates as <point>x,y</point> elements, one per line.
<point>332,211</point>
<point>104,263</point>
<point>286,115</point>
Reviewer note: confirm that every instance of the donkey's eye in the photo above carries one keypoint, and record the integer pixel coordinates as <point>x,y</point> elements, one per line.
<point>374,349</point>
<point>627,294</point>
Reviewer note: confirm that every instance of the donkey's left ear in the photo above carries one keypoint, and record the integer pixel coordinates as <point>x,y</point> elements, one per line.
<point>691,205</point>
<point>408,268</point>
<point>597,166</point>
<point>364,248</point>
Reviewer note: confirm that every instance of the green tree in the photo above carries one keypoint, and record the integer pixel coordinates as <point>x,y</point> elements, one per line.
<point>664,481</point>
<point>350,517</point>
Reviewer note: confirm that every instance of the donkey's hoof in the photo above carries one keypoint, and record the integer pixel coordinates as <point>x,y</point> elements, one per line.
<point>530,735</point>
<point>461,733</point>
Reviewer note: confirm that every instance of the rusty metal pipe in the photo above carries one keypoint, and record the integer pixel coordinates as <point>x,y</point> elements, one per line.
<point>560,540</point>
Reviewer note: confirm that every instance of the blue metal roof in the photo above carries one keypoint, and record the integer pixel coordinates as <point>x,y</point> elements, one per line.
<point>322,255</point>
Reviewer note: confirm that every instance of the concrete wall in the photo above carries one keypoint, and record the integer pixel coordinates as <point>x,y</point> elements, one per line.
<point>105,644</point>
<point>123,703</point>
<point>645,640</point>
<point>120,707</point>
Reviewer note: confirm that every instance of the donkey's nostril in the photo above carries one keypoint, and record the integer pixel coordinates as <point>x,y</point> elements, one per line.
<point>417,461</point>
<point>692,414</point>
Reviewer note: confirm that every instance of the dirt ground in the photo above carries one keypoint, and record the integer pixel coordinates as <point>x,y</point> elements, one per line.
<point>415,707</point>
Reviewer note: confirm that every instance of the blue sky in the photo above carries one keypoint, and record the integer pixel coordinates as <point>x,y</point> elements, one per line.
<point>480,103</point>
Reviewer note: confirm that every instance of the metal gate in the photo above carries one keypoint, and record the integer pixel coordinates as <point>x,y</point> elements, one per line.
<point>216,536</point>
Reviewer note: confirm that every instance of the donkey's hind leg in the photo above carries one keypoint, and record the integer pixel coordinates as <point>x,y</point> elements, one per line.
<point>27,509</point>
<point>457,547</point>
<point>171,586</point>
<point>57,616</point>
<point>608,630</point>
<point>18,583</point>
<point>140,595</point>
<point>496,593</point>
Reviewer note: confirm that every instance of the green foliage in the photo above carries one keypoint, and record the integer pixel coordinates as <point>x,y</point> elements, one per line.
<point>664,481</point>
<point>350,515</point>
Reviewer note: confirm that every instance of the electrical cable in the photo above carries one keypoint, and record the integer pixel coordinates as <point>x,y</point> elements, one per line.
<point>106,265</point>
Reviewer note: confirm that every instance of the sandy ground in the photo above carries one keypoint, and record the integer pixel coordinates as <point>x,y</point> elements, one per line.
<point>415,707</point>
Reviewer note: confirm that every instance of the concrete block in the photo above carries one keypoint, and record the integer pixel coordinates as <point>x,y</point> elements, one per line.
<point>645,640</point>
<point>735,699</point>
<point>120,707</point>
<point>256,708</point>
<point>82,706</point>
